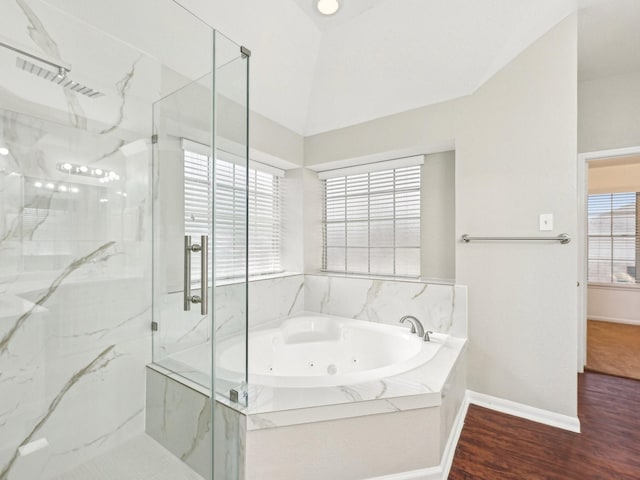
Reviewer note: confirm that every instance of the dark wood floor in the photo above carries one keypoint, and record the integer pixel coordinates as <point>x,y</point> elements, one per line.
<point>613,348</point>
<point>495,446</point>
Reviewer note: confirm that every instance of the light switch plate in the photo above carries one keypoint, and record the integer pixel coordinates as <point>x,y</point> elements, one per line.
<point>546,222</point>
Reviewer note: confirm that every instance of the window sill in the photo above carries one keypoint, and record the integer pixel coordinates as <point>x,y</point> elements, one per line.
<point>614,286</point>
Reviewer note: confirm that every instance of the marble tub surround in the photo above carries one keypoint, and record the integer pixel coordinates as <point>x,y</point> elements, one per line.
<point>440,308</point>
<point>379,428</point>
<point>371,419</point>
<point>270,298</point>
<point>420,384</point>
<point>178,416</point>
<point>278,406</point>
<point>417,387</point>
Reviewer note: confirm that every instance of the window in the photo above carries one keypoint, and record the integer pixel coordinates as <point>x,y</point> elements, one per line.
<point>371,220</point>
<point>614,248</point>
<point>230,214</point>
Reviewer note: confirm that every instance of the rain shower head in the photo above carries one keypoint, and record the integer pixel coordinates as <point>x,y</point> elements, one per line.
<point>59,77</point>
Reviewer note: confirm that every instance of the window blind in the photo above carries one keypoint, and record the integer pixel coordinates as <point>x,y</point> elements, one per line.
<point>231,200</point>
<point>614,247</point>
<point>371,222</point>
<point>198,204</point>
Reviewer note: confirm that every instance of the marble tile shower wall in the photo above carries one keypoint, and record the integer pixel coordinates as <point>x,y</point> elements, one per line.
<point>74,250</point>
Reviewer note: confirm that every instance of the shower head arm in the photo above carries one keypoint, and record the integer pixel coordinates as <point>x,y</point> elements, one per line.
<point>63,68</point>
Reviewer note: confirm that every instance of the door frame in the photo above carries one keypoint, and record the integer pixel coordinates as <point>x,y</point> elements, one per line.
<point>583,193</point>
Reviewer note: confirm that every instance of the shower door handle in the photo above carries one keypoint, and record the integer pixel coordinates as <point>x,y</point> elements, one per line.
<point>204,275</point>
<point>187,273</point>
<point>203,298</point>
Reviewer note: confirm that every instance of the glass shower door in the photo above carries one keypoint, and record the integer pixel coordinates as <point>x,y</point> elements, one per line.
<point>231,130</point>
<point>182,229</point>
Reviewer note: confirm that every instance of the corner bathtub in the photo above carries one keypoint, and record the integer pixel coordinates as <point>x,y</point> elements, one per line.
<point>323,351</point>
<point>314,350</point>
<point>316,376</point>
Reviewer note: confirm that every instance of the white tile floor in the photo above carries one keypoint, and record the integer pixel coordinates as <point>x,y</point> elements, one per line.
<point>141,458</point>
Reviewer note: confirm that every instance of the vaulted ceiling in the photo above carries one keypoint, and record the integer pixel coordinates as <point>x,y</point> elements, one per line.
<point>374,57</point>
<point>609,39</point>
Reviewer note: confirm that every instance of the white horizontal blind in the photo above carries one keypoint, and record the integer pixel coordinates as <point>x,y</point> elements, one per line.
<point>265,222</point>
<point>230,215</point>
<point>230,220</point>
<point>371,222</point>
<point>197,205</point>
<point>614,246</point>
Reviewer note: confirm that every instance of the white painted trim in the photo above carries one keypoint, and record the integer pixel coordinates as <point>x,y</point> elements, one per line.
<point>372,167</point>
<point>583,192</point>
<point>626,321</point>
<point>434,473</point>
<point>437,147</point>
<point>441,472</point>
<point>521,410</point>
<point>525,411</point>
<point>582,186</point>
<point>615,152</point>
<point>454,436</point>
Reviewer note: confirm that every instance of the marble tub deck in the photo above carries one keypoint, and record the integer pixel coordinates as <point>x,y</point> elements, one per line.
<point>276,406</point>
<point>373,423</point>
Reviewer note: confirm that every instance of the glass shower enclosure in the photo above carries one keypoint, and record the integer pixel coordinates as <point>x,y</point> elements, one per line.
<point>111,120</point>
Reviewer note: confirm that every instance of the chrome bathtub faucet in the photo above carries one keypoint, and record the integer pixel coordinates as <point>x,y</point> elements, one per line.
<point>416,327</point>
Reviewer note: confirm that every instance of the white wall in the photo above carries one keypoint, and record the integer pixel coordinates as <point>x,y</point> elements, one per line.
<point>437,217</point>
<point>516,146</point>
<point>608,113</point>
<point>614,304</point>
<point>516,158</point>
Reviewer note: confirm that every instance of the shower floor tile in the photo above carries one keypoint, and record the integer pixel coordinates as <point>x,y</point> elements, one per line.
<point>141,458</point>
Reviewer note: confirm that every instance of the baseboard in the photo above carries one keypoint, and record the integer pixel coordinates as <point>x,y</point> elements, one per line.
<point>626,321</point>
<point>454,436</point>
<point>434,473</point>
<point>441,472</point>
<point>525,411</point>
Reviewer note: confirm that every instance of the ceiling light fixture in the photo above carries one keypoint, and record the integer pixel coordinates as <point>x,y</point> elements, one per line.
<point>4,151</point>
<point>328,7</point>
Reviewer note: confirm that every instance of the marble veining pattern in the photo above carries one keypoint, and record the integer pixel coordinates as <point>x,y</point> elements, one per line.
<point>385,301</point>
<point>122,87</point>
<point>98,253</point>
<point>97,363</point>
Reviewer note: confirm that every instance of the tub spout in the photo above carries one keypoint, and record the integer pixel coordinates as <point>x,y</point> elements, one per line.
<point>416,326</point>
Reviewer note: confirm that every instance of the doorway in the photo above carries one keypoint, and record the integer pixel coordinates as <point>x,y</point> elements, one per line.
<point>609,249</point>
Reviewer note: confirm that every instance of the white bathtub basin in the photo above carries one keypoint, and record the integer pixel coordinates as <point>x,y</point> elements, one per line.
<point>321,351</point>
